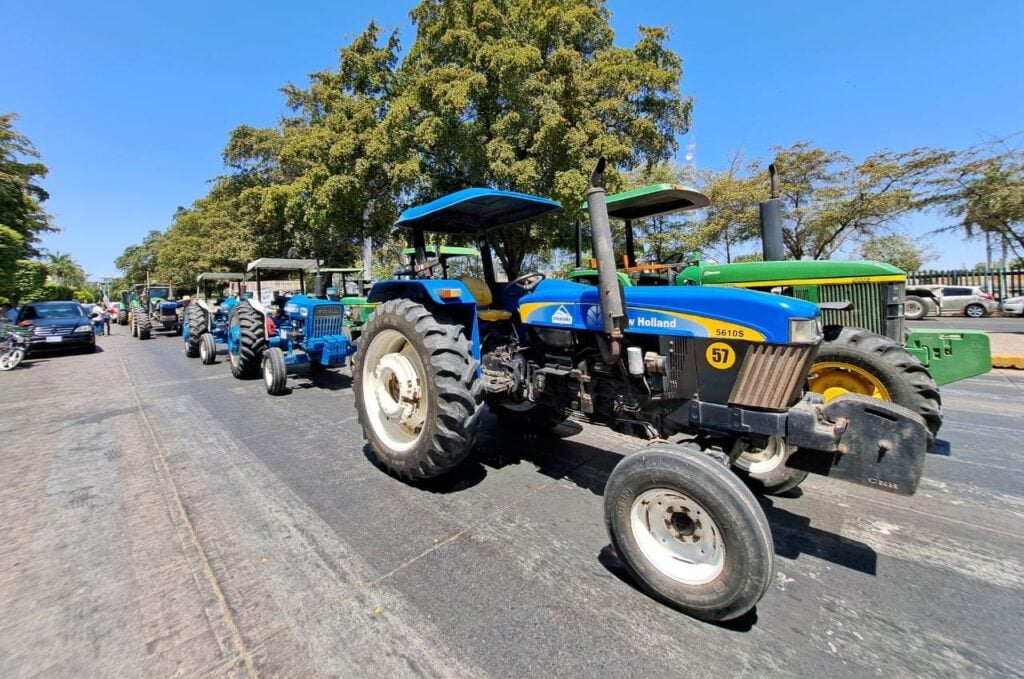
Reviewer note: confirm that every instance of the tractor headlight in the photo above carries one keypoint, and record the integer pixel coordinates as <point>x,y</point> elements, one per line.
<point>804,330</point>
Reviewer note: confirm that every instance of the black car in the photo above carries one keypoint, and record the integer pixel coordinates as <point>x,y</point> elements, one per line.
<point>57,325</point>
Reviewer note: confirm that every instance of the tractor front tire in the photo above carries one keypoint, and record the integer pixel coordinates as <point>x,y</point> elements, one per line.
<point>133,320</point>
<point>197,327</point>
<point>145,327</point>
<point>275,371</point>
<point>689,532</point>
<point>207,349</point>
<point>417,393</point>
<point>854,360</point>
<point>914,308</point>
<point>252,341</point>
<point>122,317</point>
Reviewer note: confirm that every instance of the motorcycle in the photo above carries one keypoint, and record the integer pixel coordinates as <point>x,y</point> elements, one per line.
<point>13,348</point>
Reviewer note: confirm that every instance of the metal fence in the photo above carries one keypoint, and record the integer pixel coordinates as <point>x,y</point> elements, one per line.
<point>1001,284</point>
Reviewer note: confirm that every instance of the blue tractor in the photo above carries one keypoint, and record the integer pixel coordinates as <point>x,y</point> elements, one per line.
<point>717,366</point>
<point>206,316</point>
<point>276,329</point>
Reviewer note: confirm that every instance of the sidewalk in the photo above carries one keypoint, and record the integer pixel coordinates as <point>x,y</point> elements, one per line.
<point>1007,350</point>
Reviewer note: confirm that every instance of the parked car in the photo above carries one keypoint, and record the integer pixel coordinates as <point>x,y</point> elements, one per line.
<point>967,300</point>
<point>1013,306</point>
<point>57,326</point>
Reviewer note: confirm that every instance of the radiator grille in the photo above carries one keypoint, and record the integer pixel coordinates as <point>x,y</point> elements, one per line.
<point>876,307</point>
<point>772,376</point>
<point>47,330</point>
<point>327,320</point>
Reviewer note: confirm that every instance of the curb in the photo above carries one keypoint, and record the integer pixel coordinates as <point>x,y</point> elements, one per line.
<point>1008,362</point>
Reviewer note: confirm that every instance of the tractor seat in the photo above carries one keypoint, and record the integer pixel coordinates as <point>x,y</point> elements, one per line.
<point>482,294</point>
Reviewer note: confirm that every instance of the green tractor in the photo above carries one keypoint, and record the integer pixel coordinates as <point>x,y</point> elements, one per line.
<point>866,348</point>
<point>124,307</point>
<point>357,310</point>
<point>153,306</point>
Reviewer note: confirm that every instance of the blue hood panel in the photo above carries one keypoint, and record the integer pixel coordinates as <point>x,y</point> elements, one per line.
<point>688,311</point>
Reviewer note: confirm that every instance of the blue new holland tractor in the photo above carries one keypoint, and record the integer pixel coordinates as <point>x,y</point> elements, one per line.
<point>723,366</point>
<point>276,329</point>
<point>206,316</point>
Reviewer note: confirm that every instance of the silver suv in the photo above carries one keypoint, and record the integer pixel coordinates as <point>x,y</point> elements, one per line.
<point>967,300</point>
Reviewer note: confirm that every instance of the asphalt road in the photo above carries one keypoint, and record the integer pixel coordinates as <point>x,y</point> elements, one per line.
<point>161,518</point>
<point>1003,324</point>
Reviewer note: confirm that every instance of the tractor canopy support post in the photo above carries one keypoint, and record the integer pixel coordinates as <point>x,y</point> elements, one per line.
<point>630,248</point>
<point>486,258</point>
<point>772,247</point>
<point>613,310</point>
<point>579,244</point>
<point>419,246</point>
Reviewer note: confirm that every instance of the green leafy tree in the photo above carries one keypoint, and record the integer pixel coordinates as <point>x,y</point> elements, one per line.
<point>29,278</point>
<point>828,200</point>
<point>137,260</point>
<point>64,270</point>
<point>22,217</point>
<point>900,251</point>
<point>526,96</point>
<point>733,218</point>
<point>983,190</point>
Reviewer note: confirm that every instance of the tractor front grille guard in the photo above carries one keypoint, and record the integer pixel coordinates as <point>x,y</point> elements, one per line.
<point>327,320</point>
<point>772,376</point>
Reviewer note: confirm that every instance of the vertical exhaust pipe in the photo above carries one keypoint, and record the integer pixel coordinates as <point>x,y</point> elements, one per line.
<point>772,247</point>
<point>613,307</point>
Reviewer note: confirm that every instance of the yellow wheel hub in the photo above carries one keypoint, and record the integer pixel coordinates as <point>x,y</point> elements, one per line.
<point>835,378</point>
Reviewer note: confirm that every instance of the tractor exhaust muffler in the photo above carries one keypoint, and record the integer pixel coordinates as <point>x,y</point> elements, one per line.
<point>612,300</point>
<point>772,247</point>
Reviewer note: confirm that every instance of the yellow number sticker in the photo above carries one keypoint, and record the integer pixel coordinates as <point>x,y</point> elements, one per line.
<point>721,356</point>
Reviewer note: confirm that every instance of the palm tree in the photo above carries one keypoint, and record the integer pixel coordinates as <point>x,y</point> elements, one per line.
<point>64,269</point>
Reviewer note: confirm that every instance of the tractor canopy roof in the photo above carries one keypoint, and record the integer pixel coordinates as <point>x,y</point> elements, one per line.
<point>220,276</point>
<point>803,272</point>
<point>654,200</point>
<point>445,251</point>
<point>341,270</point>
<point>474,211</point>
<point>282,264</point>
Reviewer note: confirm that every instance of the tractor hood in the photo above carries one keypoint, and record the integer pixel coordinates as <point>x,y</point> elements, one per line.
<point>803,272</point>
<point>686,311</point>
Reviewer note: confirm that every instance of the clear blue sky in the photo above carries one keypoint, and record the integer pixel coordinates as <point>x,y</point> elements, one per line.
<point>130,103</point>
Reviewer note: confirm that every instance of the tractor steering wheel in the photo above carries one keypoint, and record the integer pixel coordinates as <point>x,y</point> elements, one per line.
<point>521,281</point>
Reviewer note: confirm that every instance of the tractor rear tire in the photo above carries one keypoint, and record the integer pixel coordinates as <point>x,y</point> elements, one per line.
<point>417,393</point>
<point>134,321</point>
<point>914,308</point>
<point>275,371</point>
<point>246,364</point>
<point>122,317</point>
<point>207,349</point>
<point>145,327</point>
<point>197,327</point>
<point>689,532</point>
<point>883,368</point>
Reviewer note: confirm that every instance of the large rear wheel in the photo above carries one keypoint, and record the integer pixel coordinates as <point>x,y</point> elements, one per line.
<point>247,340</point>
<point>689,531</point>
<point>417,393</point>
<point>854,360</point>
<point>195,327</point>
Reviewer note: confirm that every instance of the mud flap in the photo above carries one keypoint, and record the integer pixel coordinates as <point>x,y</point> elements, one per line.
<point>883,445</point>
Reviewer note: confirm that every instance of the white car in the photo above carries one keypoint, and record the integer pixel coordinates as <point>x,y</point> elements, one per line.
<point>1013,306</point>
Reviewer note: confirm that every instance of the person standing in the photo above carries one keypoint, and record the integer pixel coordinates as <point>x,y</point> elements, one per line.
<point>99,314</point>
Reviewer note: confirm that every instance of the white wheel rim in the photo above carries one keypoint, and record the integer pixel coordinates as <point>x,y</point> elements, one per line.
<point>677,536</point>
<point>394,390</point>
<point>974,311</point>
<point>761,460</point>
<point>911,308</point>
